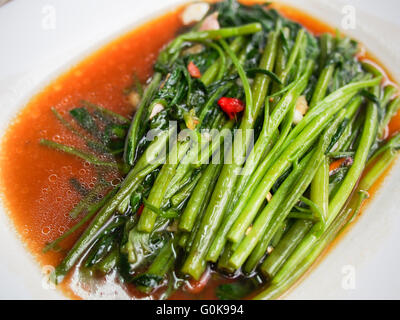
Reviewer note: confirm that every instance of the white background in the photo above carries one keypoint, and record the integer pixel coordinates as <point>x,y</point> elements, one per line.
<point>30,56</point>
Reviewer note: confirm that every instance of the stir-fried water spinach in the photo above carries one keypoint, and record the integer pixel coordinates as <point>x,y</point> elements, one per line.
<point>197,191</point>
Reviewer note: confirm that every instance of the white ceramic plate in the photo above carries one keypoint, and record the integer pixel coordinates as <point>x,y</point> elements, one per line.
<point>42,38</point>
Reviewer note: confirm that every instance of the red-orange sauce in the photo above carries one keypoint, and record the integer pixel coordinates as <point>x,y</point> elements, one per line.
<point>34,179</point>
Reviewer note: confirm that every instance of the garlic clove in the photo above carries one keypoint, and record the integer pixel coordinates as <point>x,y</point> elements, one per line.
<point>297,117</point>
<point>301,109</point>
<point>248,230</point>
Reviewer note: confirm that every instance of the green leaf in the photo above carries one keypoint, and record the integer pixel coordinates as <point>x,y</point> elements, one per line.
<point>116,131</point>
<point>78,186</point>
<point>86,121</point>
<point>370,96</point>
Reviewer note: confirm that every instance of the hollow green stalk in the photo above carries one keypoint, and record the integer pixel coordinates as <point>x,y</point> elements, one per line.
<point>284,201</point>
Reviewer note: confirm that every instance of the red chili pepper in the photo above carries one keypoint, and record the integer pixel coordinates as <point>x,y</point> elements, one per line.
<point>140,210</point>
<point>231,106</point>
<point>193,70</point>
